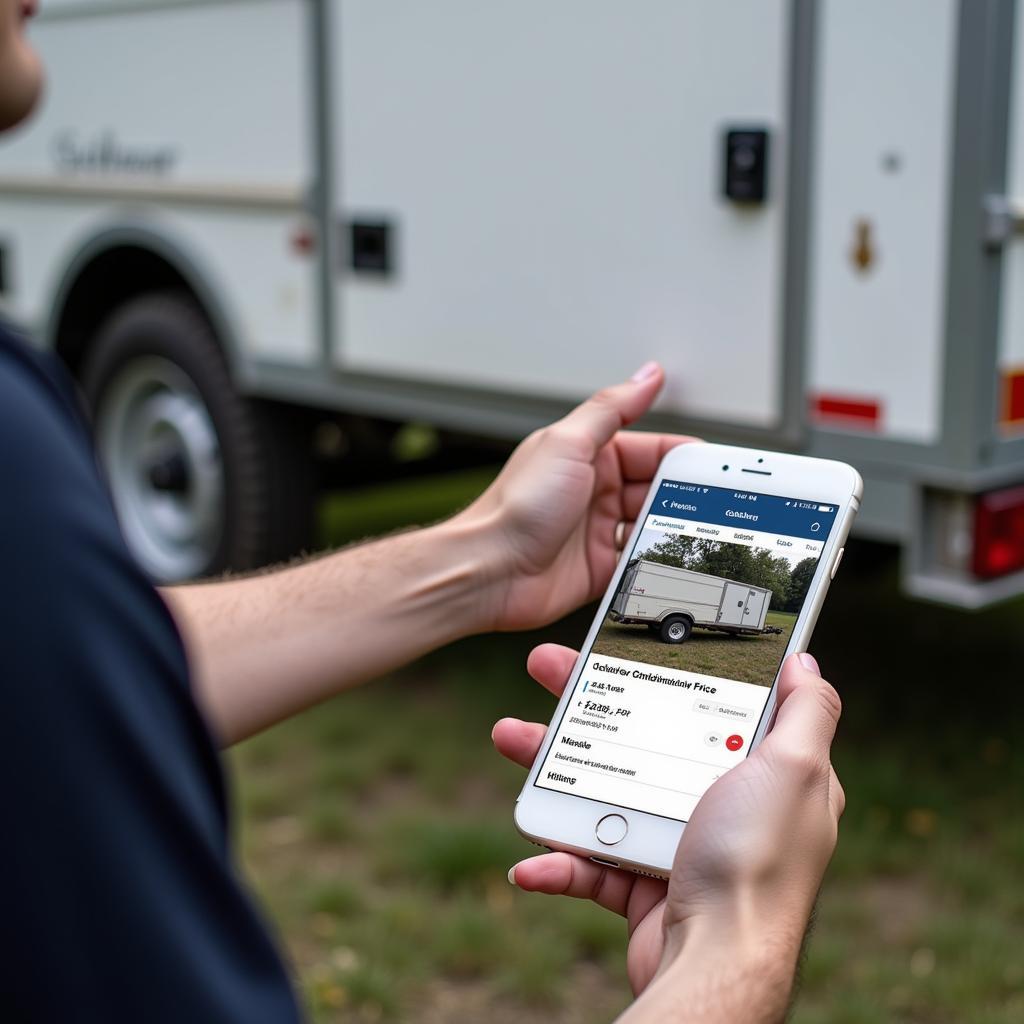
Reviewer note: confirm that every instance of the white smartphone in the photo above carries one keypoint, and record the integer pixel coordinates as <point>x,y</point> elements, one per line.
<point>723,576</point>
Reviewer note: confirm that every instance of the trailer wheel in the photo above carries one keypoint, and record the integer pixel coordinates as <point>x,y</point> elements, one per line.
<point>203,479</point>
<point>675,630</point>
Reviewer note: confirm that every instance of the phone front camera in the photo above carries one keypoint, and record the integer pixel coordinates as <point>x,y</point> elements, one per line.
<point>724,468</point>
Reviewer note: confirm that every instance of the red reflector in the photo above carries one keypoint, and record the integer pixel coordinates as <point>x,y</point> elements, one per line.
<point>999,533</point>
<point>302,240</point>
<point>865,413</point>
<point>1013,397</point>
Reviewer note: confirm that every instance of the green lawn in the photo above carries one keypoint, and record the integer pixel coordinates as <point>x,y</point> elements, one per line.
<point>377,829</point>
<point>755,659</point>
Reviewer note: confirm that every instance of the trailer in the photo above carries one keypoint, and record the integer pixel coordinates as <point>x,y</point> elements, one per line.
<point>671,601</point>
<point>251,228</point>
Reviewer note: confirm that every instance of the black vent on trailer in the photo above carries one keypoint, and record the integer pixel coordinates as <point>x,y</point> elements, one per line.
<point>371,247</point>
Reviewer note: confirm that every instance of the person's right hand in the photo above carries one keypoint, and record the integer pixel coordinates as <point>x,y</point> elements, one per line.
<point>752,857</point>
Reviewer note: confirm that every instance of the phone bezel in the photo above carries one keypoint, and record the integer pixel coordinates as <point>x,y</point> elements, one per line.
<point>565,821</point>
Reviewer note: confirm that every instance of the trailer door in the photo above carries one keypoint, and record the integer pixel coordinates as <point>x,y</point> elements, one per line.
<point>733,609</point>
<point>1010,382</point>
<point>883,139</point>
<point>625,586</point>
<point>754,613</point>
<point>531,199</point>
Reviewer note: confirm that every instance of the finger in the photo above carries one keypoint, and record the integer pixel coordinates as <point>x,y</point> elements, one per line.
<point>596,421</point>
<point>788,681</point>
<point>836,793</point>
<point>633,496</point>
<point>640,453</point>
<point>551,665</point>
<point>809,708</point>
<point>517,740</point>
<point>562,874</point>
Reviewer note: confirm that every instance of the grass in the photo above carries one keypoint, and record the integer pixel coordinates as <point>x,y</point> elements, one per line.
<point>377,829</point>
<point>754,659</point>
<point>373,511</point>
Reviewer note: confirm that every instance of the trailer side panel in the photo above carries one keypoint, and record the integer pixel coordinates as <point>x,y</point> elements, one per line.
<point>551,175</point>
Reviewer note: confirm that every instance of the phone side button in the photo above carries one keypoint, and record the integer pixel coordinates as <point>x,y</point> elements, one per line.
<point>835,563</point>
<point>611,829</point>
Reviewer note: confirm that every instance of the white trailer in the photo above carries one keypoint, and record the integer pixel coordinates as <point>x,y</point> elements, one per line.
<point>671,601</point>
<point>228,211</point>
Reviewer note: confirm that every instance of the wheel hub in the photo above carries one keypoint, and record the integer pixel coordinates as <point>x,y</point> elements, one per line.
<point>162,455</point>
<point>169,473</point>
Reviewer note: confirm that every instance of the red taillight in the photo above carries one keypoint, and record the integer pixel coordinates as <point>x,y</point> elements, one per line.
<point>999,533</point>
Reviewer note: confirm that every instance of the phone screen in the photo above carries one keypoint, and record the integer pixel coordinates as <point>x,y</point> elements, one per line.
<point>678,678</point>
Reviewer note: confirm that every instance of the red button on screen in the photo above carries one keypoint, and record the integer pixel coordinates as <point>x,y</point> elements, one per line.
<point>734,742</point>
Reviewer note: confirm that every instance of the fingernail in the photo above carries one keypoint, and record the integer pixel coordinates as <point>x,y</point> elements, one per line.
<point>646,372</point>
<point>512,874</point>
<point>809,663</point>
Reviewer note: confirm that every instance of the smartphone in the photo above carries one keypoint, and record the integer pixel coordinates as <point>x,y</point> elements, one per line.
<point>723,576</point>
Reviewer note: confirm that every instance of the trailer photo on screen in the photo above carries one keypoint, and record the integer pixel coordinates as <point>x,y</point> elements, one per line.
<point>706,606</point>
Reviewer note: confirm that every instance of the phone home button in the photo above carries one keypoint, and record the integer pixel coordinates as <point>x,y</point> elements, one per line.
<point>611,829</point>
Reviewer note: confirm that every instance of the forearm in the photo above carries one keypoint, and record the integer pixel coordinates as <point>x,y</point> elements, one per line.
<point>264,647</point>
<point>721,973</point>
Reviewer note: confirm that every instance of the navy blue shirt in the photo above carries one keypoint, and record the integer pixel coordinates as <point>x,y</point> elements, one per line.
<point>118,898</point>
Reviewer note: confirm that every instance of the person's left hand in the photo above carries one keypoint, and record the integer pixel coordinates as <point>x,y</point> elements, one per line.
<point>559,511</point>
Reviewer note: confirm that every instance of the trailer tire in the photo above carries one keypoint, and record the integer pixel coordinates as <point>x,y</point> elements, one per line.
<point>675,630</point>
<point>203,478</point>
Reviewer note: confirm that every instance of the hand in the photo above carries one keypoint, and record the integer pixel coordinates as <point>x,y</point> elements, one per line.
<point>752,857</point>
<point>553,514</point>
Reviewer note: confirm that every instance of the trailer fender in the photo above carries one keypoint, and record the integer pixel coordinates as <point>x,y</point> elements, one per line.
<point>170,249</point>
<point>675,629</point>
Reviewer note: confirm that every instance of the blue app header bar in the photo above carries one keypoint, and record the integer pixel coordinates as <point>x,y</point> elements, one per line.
<point>724,506</point>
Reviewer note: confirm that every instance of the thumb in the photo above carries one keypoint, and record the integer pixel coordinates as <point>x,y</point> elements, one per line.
<point>597,419</point>
<point>809,709</point>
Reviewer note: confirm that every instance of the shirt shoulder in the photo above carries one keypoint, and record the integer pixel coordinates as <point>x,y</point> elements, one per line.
<point>113,798</point>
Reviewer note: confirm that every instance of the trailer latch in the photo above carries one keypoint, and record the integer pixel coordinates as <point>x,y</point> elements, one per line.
<point>1002,219</point>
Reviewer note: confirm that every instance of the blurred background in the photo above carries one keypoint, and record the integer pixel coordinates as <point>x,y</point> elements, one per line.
<point>318,265</point>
